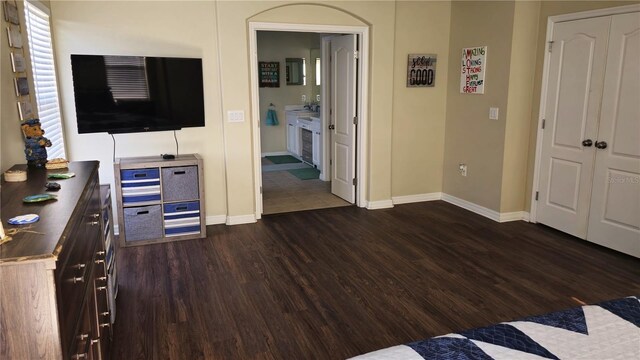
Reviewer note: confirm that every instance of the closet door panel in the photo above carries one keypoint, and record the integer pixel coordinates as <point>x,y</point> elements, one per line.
<point>614,219</point>
<point>576,73</point>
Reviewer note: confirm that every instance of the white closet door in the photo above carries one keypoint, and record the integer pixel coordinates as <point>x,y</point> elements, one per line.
<point>576,72</point>
<point>614,219</point>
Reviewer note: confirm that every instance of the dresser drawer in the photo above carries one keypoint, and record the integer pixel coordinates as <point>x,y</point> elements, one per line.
<point>75,266</point>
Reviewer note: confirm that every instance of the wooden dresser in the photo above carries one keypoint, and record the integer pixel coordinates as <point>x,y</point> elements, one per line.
<point>53,302</point>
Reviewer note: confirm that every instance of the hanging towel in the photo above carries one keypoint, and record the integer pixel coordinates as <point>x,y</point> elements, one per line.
<point>272,117</point>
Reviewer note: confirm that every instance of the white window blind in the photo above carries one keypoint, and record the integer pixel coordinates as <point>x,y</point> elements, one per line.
<point>127,77</point>
<point>44,76</point>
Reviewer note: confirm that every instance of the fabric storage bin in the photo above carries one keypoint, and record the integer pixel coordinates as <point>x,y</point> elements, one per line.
<point>140,185</point>
<point>180,183</point>
<point>182,218</point>
<point>143,223</point>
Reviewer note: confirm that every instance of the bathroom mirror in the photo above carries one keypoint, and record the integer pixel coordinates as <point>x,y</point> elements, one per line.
<point>295,68</point>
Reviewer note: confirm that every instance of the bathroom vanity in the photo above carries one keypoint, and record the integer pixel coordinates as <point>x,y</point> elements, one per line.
<point>304,135</point>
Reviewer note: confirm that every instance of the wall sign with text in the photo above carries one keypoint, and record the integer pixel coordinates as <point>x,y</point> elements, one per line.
<point>474,65</point>
<point>421,70</point>
<point>269,73</point>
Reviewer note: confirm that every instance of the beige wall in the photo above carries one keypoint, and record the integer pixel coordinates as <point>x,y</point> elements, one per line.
<point>516,142</point>
<point>277,46</point>
<point>232,20</point>
<point>470,136</point>
<point>550,8</point>
<point>416,137</point>
<point>180,29</point>
<point>419,114</point>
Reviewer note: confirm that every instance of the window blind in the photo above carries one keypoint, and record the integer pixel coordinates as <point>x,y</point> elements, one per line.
<point>44,77</point>
<point>127,78</point>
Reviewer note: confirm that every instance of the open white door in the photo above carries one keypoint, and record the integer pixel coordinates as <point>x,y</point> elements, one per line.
<point>576,72</point>
<point>342,125</point>
<point>615,211</point>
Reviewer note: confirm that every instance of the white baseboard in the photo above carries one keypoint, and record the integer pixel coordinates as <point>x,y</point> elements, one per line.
<point>216,219</point>
<point>380,204</point>
<point>407,199</point>
<point>514,216</point>
<point>275,153</point>
<point>241,219</point>
<point>486,212</point>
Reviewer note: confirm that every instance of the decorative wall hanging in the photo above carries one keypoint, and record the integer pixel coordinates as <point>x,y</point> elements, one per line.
<point>11,12</point>
<point>474,65</point>
<point>18,63</point>
<point>269,73</point>
<point>25,110</point>
<point>15,36</point>
<point>22,85</point>
<point>421,70</point>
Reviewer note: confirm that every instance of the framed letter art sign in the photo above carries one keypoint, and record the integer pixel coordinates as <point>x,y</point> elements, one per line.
<point>473,65</point>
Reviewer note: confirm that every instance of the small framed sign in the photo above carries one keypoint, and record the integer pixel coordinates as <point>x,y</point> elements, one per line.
<point>18,64</point>
<point>15,36</point>
<point>421,70</point>
<point>11,12</point>
<point>22,85</point>
<point>269,73</point>
<point>25,110</point>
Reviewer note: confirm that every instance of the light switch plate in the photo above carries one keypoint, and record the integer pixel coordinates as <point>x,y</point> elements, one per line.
<point>235,116</point>
<point>493,113</point>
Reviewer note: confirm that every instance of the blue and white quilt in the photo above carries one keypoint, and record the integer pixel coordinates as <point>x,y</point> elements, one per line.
<point>608,330</point>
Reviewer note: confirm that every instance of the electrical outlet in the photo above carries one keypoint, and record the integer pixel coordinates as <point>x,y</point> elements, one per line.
<point>463,169</point>
<point>318,97</point>
<point>304,98</point>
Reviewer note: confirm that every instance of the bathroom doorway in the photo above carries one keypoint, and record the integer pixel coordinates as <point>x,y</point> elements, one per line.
<point>308,154</point>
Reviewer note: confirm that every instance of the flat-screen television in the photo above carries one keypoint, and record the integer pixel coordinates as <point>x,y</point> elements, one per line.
<point>122,94</point>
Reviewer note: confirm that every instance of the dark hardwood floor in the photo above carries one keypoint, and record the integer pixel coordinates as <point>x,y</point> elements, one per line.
<point>335,283</point>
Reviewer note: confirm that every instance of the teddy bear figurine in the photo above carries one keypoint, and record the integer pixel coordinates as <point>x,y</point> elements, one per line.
<point>35,143</point>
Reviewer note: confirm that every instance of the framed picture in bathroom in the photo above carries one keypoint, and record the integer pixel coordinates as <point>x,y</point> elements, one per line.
<point>269,73</point>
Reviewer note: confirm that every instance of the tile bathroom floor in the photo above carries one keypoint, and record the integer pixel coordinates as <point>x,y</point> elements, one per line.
<point>283,192</point>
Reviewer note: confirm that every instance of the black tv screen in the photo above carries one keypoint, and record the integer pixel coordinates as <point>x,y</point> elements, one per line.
<point>121,94</point>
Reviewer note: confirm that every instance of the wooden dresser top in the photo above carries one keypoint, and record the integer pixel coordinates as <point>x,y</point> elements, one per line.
<point>54,214</point>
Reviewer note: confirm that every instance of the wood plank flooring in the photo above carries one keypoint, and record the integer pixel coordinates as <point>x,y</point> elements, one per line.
<point>335,283</point>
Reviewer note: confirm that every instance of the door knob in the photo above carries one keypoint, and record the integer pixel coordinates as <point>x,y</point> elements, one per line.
<point>331,127</point>
<point>601,144</point>
<point>587,143</point>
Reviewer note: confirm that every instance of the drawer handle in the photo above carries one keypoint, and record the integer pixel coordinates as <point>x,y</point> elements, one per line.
<point>101,252</point>
<point>102,278</point>
<point>181,208</point>
<point>93,223</point>
<point>85,354</point>
<point>139,175</point>
<point>106,313</point>
<point>101,288</point>
<point>95,216</point>
<point>105,325</point>
<point>142,212</point>
<point>179,172</point>
<point>80,278</point>
<point>100,261</point>
<point>95,341</point>
<point>81,337</point>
